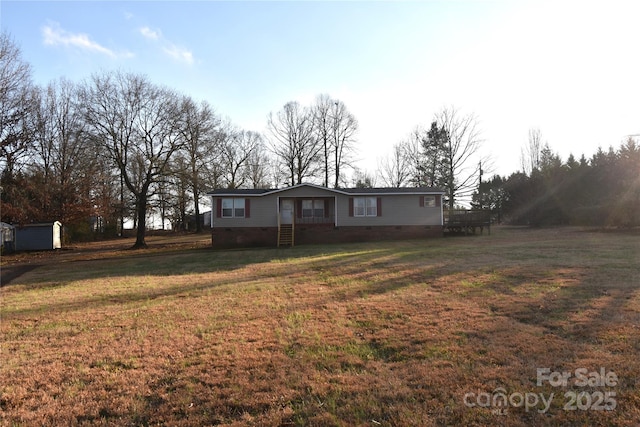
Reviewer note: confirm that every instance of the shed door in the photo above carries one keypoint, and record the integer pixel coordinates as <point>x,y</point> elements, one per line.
<point>57,244</point>
<point>286,211</point>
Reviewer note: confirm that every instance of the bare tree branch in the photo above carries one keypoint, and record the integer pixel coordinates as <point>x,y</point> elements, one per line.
<point>396,170</point>
<point>530,153</point>
<point>294,141</point>
<point>16,105</point>
<point>139,125</point>
<point>462,144</point>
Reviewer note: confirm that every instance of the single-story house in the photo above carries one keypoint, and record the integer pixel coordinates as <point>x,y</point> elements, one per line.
<point>39,237</point>
<point>307,214</point>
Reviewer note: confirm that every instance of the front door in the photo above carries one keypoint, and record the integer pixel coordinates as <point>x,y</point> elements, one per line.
<point>286,211</point>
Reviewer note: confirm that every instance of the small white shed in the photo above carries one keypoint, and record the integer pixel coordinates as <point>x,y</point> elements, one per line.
<point>7,237</point>
<point>39,237</point>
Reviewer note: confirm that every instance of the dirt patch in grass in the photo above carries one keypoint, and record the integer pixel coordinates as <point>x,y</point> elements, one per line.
<point>397,334</point>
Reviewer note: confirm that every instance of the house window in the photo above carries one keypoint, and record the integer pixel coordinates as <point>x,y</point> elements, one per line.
<point>365,206</point>
<point>429,201</point>
<point>313,208</point>
<point>233,208</point>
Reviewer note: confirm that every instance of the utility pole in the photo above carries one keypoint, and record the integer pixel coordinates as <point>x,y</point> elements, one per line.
<point>121,234</point>
<point>480,183</point>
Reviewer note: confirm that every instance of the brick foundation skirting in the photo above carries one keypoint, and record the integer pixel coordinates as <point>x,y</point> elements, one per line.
<point>317,234</point>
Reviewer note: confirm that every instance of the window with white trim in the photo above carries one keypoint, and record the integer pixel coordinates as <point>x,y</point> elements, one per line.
<point>429,201</point>
<point>313,208</point>
<point>365,206</point>
<point>233,208</point>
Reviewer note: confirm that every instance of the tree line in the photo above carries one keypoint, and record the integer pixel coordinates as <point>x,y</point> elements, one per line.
<point>602,191</point>
<point>446,155</point>
<point>117,146</point>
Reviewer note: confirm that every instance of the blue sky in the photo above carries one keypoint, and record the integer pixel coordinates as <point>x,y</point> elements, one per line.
<point>568,68</point>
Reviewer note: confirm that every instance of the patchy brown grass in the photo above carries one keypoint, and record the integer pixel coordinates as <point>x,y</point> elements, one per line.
<point>395,333</point>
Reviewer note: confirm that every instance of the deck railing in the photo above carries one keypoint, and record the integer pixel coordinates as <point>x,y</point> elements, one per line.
<point>466,220</point>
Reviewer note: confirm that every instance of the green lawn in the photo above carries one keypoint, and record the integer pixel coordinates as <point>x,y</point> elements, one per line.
<point>392,333</point>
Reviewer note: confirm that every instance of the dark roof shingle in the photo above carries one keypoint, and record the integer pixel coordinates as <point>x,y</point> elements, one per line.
<point>386,190</point>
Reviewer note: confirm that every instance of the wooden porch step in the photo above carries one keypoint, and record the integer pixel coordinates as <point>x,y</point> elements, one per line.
<point>285,235</point>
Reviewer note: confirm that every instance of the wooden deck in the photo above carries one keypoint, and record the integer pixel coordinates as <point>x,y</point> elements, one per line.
<point>467,221</point>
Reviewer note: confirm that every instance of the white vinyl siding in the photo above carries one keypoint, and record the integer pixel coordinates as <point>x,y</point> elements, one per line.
<point>397,210</point>
<point>393,209</point>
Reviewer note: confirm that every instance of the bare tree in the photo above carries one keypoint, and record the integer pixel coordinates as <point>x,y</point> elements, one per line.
<point>105,192</point>
<point>417,160</point>
<point>396,170</point>
<point>60,150</point>
<point>363,179</point>
<point>335,129</point>
<point>162,198</point>
<point>200,133</point>
<point>277,173</point>
<point>412,149</point>
<point>462,143</point>
<point>173,191</point>
<point>345,127</point>
<point>259,165</point>
<point>294,141</point>
<point>235,156</point>
<point>324,128</point>
<point>16,104</point>
<point>138,124</point>
<point>530,153</point>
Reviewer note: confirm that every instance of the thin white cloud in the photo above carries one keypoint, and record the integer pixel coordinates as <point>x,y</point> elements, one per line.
<point>150,34</point>
<point>54,35</point>
<point>175,52</point>
<point>178,53</point>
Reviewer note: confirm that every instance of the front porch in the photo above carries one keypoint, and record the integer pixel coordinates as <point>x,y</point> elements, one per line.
<point>294,212</point>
